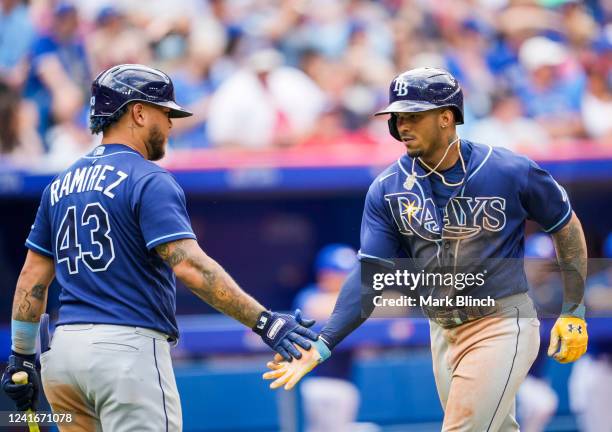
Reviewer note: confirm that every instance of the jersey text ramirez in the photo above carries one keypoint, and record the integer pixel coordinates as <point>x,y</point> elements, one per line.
<point>101,178</point>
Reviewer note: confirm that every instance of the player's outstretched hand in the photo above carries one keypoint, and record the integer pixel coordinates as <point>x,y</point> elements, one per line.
<point>25,396</point>
<point>290,373</point>
<point>284,332</point>
<point>568,339</point>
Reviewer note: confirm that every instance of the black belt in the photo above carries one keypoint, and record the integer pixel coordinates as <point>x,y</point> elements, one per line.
<point>450,318</point>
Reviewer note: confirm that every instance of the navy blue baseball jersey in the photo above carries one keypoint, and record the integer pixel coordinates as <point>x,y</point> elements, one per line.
<point>100,220</point>
<point>483,221</point>
<point>484,218</point>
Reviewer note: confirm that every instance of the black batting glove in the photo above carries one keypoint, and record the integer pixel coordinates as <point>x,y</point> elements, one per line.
<point>281,331</point>
<point>25,396</point>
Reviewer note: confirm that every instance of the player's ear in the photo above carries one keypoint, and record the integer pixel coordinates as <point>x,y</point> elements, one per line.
<point>446,118</point>
<point>138,114</point>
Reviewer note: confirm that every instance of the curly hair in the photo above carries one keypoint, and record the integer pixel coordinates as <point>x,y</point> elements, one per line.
<point>100,124</point>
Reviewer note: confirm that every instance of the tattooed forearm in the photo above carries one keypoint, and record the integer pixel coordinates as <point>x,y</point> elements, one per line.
<point>24,307</point>
<point>221,292</point>
<point>39,291</point>
<point>29,304</point>
<point>173,253</point>
<point>30,299</point>
<point>572,257</point>
<point>207,279</point>
<point>209,276</point>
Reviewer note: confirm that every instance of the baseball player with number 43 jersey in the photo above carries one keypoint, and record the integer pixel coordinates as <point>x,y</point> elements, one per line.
<point>113,231</point>
<point>448,202</point>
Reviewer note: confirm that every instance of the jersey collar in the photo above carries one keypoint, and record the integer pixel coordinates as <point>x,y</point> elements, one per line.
<point>479,155</point>
<point>109,149</point>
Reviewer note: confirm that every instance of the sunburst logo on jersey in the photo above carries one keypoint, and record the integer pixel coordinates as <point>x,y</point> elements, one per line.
<point>410,209</point>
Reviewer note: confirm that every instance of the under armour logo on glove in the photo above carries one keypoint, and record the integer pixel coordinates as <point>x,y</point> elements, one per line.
<point>568,339</point>
<point>571,328</point>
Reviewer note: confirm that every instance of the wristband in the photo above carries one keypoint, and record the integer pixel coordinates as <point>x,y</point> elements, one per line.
<point>323,349</point>
<point>23,336</point>
<point>30,357</point>
<point>573,309</point>
<point>262,321</point>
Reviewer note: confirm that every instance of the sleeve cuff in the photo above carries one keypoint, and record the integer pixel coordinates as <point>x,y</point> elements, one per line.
<point>387,263</point>
<point>30,357</point>
<point>39,249</point>
<point>170,237</point>
<point>559,225</point>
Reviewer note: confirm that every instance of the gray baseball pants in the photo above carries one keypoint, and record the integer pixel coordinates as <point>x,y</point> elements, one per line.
<point>479,366</point>
<point>111,378</point>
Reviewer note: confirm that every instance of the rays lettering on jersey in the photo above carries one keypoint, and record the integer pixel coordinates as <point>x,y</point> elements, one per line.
<point>100,178</point>
<point>464,217</point>
<point>414,215</point>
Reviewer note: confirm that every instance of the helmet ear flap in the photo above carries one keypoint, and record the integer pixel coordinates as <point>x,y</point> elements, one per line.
<point>458,115</point>
<point>392,122</point>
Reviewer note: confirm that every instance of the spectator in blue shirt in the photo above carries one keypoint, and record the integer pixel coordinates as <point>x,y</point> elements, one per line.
<point>16,35</point>
<point>552,87</point>
<point>59,76</point>
<point>195,82</point>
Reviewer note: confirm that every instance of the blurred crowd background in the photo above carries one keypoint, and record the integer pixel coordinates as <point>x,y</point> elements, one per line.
<point>262,75</point>
<point>536,73</point>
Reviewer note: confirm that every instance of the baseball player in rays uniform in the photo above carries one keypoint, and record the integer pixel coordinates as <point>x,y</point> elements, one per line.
<point>113,231</point>
<point>447,202</point>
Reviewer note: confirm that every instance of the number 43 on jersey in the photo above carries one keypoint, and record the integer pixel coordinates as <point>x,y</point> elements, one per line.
<point>85,237</point>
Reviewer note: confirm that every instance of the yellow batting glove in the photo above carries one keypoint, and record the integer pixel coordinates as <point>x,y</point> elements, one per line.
<point>290,373</point>
<point>568,339</point>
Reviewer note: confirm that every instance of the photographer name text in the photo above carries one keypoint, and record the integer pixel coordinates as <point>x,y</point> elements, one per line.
<point>430,301</point>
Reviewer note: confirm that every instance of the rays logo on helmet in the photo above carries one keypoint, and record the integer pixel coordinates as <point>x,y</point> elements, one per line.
<point>401,87</point>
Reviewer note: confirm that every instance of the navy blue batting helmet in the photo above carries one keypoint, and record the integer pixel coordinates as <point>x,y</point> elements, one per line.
<point>423,89</point>
<point>119,85</point>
